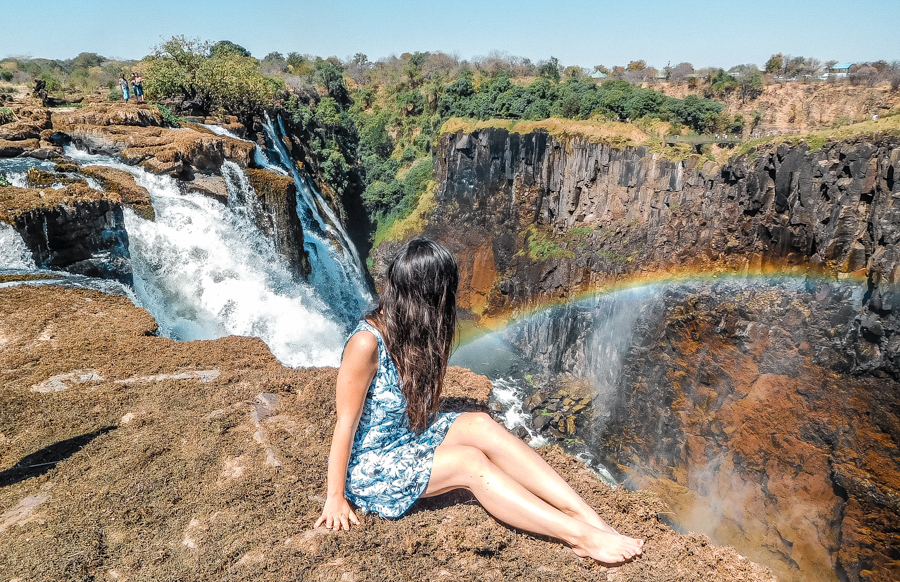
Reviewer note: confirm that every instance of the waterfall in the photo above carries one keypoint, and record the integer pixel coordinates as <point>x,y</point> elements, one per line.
<point>204,270</point>
<point>14,253</point>
<point>336,269</point>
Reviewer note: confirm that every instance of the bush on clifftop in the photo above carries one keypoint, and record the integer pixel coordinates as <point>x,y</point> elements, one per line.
<point>219,77</point>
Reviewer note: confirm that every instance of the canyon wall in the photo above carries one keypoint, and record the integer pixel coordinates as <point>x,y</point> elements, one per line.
<point>769,418</point>
<point>535,218</point>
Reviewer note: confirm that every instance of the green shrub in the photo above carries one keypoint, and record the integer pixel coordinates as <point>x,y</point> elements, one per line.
<point>168,116</point>
<point>6,76</point>
<point>6,115</point>
<point>3,181</point>
<point>51,83</point>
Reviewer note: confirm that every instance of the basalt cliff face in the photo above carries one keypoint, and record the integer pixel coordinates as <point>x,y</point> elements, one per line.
<point>768,417</point>
<point>535,218</point>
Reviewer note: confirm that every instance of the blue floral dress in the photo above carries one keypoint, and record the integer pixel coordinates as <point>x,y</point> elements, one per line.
<point>390,465</point>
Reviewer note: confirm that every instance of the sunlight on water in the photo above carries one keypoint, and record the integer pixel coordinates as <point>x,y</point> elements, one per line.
<point>204,270</point>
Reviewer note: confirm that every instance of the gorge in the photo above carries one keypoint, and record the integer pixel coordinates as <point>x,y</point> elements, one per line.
<point>729,330</point>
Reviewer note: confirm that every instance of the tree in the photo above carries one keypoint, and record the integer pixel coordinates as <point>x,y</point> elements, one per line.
<point>775,63</point>
<point>549,69</point>
<point>224,80</point>
<point>358,68</point>
<point>331,77</point>
<point>637,65</point>
<point>681,71</point>
<point>88,60</point>
<point>226,46</point>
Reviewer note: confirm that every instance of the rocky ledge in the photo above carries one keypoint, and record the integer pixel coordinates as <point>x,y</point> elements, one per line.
<point>127,456</point>
<point>73,228</point>
<point>70,228</point>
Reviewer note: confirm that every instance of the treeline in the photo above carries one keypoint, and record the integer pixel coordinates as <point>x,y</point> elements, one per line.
<point>372,125</point>
<point>85,73</point>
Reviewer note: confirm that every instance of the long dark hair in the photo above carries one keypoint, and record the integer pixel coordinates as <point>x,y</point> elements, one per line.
<point>416,315</point>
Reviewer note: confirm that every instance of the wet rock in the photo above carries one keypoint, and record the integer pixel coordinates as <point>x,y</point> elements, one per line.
<point>73,228</point>
<point>123,183</point>
<point>278,217</point>
<point>38,178</point>
<point>11,149</point>
<point>19,131</point>
<point>537,400</point>
<point>541,421</point>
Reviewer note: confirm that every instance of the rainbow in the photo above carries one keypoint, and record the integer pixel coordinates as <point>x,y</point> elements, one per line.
<point>770,274</point>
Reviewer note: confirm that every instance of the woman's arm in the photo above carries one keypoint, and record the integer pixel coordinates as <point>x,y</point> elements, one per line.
<point>358,367</point>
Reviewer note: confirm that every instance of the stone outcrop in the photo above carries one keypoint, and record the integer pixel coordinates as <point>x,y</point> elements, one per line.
<point>136,133</point>
<point>75,228</point>
<point>25,135</point>
<point>123,184</point>
<point>279,219</point>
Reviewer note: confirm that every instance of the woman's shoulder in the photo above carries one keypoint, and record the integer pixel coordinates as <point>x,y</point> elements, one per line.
<point>365,335</point>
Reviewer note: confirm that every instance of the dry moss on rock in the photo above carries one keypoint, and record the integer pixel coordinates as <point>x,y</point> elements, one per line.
<point>139,469</point>
<point>123,183</point>
<point>15,201</point>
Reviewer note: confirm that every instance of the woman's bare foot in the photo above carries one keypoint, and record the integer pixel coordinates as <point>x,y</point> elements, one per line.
<point>609,548</point>
<point>591,518</point>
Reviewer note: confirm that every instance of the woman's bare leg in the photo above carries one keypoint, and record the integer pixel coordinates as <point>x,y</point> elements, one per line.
<point>507,500</point>
<point>523,464</point>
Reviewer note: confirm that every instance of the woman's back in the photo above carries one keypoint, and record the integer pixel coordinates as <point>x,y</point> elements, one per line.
<point>390,464</point>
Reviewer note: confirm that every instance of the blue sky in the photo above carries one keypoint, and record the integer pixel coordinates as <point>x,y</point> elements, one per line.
<point>703,32</point>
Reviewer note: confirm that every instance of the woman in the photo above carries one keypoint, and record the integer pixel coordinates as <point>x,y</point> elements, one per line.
<point>138,83</point>
<point>123,84</point>
<point>391,446</point>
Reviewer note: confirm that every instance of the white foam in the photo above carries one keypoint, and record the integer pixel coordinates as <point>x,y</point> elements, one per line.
<point>14,253</point>
<point>204,271</point>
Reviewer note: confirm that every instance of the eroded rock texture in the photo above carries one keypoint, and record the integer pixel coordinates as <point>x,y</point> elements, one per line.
<point>74,228</point>
<point>780,418</point>
<point>737,408</point>
<point>533,218</point>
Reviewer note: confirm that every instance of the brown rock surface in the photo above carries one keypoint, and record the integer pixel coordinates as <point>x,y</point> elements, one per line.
<point>738,415</point>
<point>136,134</point>
<point>122,183</point>
<point>105,114</point>
<point>74,228</point>
<point>11,149</point>
<point>172,460</point>
<point>17,201</point>
<point>279,219</point>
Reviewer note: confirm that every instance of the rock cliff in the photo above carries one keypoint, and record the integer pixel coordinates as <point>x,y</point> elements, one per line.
<point>773,410</point>
<point>74,228</point>
<point>535,218</point>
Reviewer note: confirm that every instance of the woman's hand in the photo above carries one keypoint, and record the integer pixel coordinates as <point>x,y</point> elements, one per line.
<point>337,514</point>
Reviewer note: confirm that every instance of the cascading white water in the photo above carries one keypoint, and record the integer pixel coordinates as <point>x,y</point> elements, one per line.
<point>14,253</point>
<point>204,270</point>
<point>259,154</point>
<point>336,269</point>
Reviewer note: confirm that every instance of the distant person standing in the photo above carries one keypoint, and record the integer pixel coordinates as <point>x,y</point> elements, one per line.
<point>137,82</point>
<point>123,83</point>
